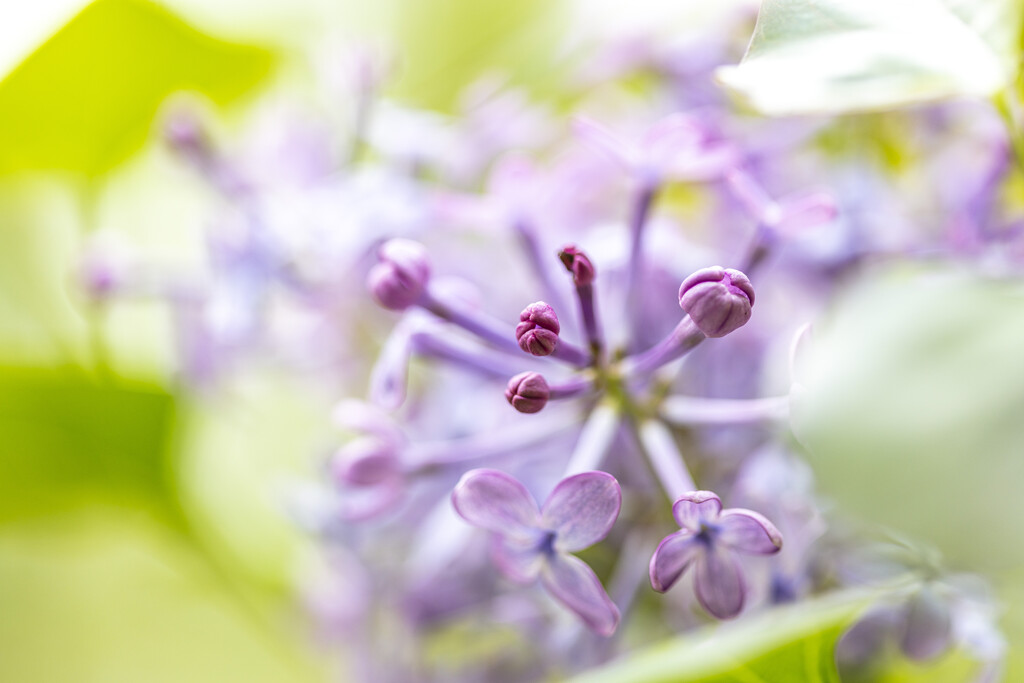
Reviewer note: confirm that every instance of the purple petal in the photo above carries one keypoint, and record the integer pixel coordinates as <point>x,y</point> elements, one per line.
<point>582,509</point>
<point>575,585</point>
<point>495,501</point>
<point>928,630</point>
<point>719,583</point>
<point>808,211</point>
<point>517,558</point>
<point>614,148</point>
<point>748,532</point>
<point>674,554</point>
<point>749,193</point>
<point>695,507</point>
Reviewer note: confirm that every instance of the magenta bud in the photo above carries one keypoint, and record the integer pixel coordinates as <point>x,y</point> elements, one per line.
<point>537,331</point>
<point>577,263</point>
<point>528,392</point>
<point>398,280</point>
<point>365,462</point>
<point>717,299</point>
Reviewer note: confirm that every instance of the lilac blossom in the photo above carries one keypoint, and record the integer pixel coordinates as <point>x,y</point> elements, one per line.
<point>717,299</point>
<point>627,391</point>
<point>708,540</point>
<point>531,541</point>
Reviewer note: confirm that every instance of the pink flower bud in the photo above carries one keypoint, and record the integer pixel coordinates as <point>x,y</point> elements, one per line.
<point>717,299</point>
<point>399,279</point>
<point>577,263</point>
<point>528,392</point>
<point>537,331</point>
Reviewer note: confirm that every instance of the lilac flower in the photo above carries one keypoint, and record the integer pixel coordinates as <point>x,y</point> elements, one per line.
<point>528,392</point>
<point>678,147</point>
<point>537,331</point>
<point>531,542</point>
<point>708,539</point>
<point>717,299</point>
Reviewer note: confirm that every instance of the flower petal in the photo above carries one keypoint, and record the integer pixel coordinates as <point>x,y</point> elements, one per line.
<point>582,509</point>
<point>602,139</point>
<point>495,501</point>
<point>674,554</point>
<point>694,507</point>
<point>748,532</point>
<point>719,583</point>
<point>928,632</point>
<point>575,585</point>
<point>517,559</point>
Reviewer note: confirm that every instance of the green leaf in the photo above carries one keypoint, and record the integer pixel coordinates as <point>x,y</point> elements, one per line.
<point>85,100</point>
<point>913,414</point>
<point>68,439</point>
<point>100,596</point>
<point>792,643</point>
<point>836,56</point>
<point>446,44</point>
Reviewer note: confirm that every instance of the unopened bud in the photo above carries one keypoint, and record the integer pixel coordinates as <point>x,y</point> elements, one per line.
<point>365,462</point>
<point>537,331</point>
<point>577,263</point>
<point>398,280</point>
<point>528,392</point>
<point>717,299</point>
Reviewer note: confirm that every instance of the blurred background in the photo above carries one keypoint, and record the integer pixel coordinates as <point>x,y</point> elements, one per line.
<point>143,531</point>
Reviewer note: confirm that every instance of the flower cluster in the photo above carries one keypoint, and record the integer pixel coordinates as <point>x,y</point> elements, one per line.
<point>548,320</point>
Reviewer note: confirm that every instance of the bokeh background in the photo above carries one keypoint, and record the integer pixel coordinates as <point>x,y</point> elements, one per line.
<point>142,530</point>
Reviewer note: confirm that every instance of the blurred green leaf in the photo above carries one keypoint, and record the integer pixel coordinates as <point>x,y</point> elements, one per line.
<point>446,44</point>
<point>913,416</point>
<point>68,439</point>
<point>98,596</point>
<point>854,55</point>
<point>792,643</point>
<point>85,100</point>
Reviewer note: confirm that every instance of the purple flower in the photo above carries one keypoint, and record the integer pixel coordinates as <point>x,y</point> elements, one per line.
<point>537,331</point>
<point>708,539</point>
<point>678,147</point>
<point>717,299</point>
<point>577,263</point>
<point>399,279</point>
<point>531,542</point>
<point>528,392</point>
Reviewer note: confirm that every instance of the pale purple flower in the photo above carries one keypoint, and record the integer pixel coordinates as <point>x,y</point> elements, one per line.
<point>717,299</point>
<point>678,147</point>
<point>531,541</point>
<point>400,277</point>
<point>709,539</point>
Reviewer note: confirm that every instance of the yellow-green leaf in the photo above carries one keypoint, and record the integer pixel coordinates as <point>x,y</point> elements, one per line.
<point>85,100</point>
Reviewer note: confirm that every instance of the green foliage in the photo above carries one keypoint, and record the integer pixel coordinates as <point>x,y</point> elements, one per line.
<point>853,55</point>
<point>792,644</point>
<point>85,100</point>
<point>913,416</point>
<point>68,439</point>
<point>447,44</point>
<point>98,596</point>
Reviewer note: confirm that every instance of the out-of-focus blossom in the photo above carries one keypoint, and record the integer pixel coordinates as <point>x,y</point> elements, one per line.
<point>532,541</point>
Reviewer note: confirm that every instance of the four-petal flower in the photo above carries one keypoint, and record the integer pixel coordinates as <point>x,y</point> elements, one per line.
<point>708,539</point>
<point>531,541</point>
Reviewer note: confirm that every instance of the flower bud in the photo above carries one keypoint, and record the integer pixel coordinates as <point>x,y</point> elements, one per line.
<point>398,280</point>
<point>528,392</point>
<point>717,299</point>
<point>577,263</point>
<point>537,331</point>
<point>365,461</point>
